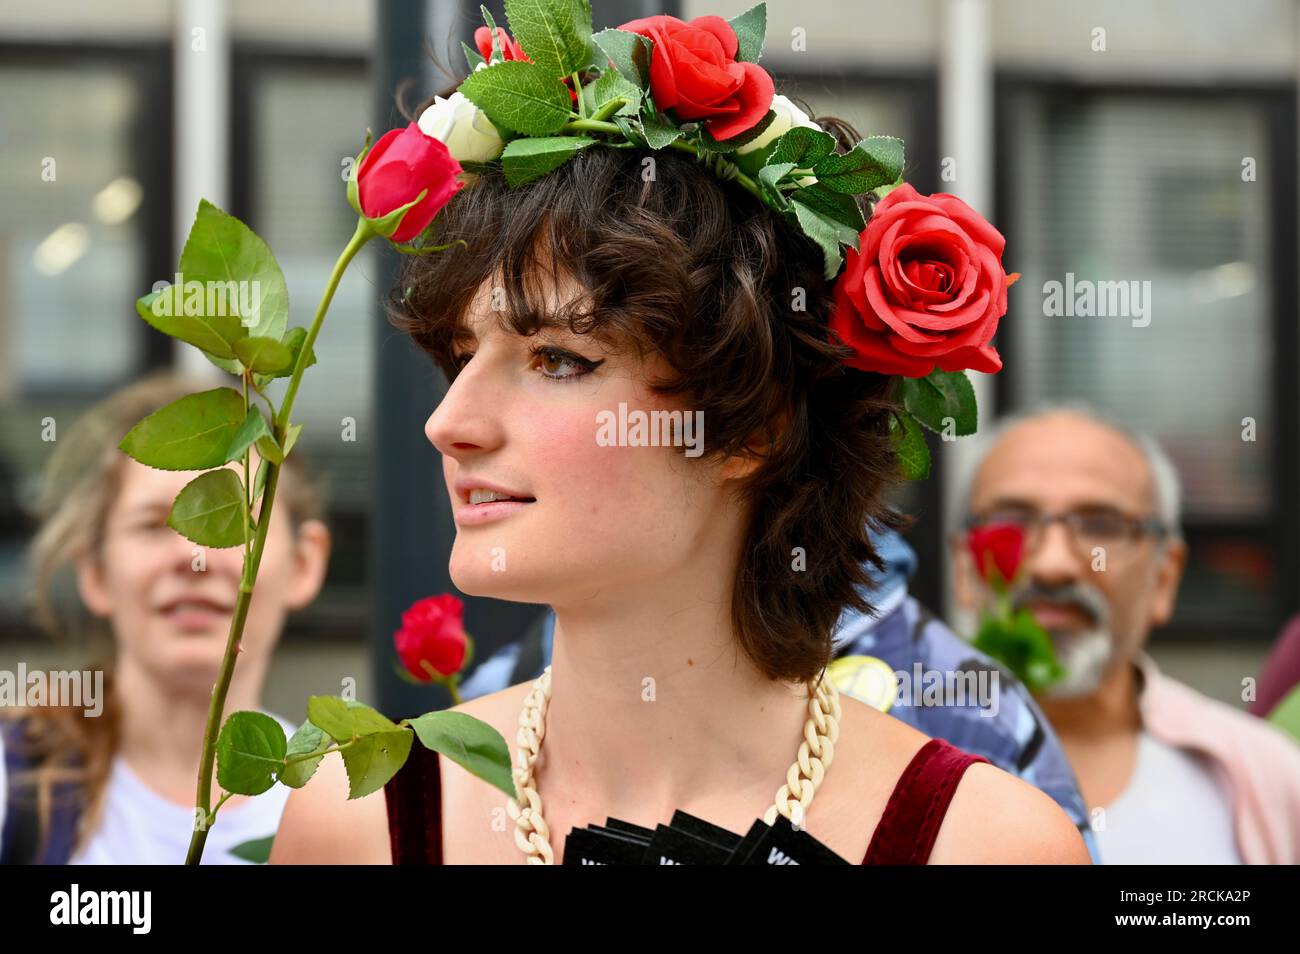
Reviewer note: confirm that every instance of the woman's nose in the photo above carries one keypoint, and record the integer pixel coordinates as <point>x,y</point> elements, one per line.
<point>468,416</point>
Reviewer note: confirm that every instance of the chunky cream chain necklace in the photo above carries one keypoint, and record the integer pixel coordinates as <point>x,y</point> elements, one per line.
<point>815,753</point>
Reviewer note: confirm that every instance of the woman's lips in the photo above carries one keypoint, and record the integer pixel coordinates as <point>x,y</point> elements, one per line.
<point>196,618</point>
<point>471,515</point>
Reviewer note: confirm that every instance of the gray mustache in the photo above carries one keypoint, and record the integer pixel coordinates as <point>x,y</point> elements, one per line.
<point>1076,594</point>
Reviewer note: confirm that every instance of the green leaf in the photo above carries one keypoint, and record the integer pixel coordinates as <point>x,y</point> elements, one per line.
<point>264,355</point>
<point>469,742</point>
<point>256,850</point>
<point>210,509</point>
<point>374,759</point>
<point>609,86</point>
<point>354,199</point>
<point>875,161</point>
<point>630,54</point>
<point>910,447</point>
<point>939,396</point>
<point>836,207</point>
<point>706,140</point>
<point>259,479</point>
<point>803,146</point>
<point>1022,646</point>
<point>309,739</point>
<point>751,28</point>
<point>346,719</point>
<point>250,750</point>
<point>192,433</point>
<point>520,96</point>
<point>237,267</point>
<point>213,337</point>
<point>472,56</point>
<point>294,339</point>
<point>658,130</point>
<point>253,429</point>
<point>268,449</point>
<point>826,233</point>
<point>291,437</point>
<point>528,159</point>
<point>556,34</point>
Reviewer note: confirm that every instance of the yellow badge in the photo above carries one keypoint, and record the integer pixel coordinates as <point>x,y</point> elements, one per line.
<point>865,678</point>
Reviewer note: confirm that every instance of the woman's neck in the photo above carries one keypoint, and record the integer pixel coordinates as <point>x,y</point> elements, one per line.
<point>162,726</point>
<point>654,708</point>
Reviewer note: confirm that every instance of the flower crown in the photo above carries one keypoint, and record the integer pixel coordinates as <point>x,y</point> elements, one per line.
<point>918,291</point>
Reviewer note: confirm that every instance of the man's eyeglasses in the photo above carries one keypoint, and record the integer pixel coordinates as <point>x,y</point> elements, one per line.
<point>1090,528</point>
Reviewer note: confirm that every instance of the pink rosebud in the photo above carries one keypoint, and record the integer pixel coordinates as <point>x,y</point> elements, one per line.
<point>432,636</point>
<point>400,166</point>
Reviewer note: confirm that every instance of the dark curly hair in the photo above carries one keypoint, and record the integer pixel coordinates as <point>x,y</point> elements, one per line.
<point>734,300</point>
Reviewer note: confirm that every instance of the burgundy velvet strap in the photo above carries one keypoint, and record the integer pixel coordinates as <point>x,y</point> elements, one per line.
<point>910,824</point>
<point>414,798</point>
<point>905,835</point>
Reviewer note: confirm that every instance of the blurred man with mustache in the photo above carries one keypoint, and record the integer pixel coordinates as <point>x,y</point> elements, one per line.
<point>1168,774</point>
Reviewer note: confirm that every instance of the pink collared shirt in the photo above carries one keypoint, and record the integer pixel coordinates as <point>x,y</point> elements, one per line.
<point>1258,762</point>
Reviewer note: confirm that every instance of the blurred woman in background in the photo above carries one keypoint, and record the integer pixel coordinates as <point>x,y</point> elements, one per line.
<point>119,787</point>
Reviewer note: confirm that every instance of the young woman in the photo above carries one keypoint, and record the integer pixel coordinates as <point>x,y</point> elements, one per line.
<point>118,787</point>
<point>695,592</point>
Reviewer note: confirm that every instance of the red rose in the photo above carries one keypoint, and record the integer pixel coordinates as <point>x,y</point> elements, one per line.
<point>404,163</point>
<point>432,633</point>
<point>693,72</point>
<point>997,548</point>
<point>927,288</point>
<point>510,49</point>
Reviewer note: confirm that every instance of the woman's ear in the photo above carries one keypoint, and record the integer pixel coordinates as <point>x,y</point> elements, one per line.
<point>311,558</point>
<point>756,449</point>
<point>92,587</point>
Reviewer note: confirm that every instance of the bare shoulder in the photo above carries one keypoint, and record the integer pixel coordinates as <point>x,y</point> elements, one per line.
<point>499,709</point>
<point>996,818</point>
<point>322,826</point>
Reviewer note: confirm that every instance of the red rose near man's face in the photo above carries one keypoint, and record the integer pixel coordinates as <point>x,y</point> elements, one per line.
<point>693,72</point>
<point>926,290</point>
<point>997,548</point>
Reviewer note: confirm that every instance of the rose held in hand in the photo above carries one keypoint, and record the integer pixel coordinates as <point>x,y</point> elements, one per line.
<point>997,551</point>
<point>693,72</point>
<point>926,290</point>
<point>403,181</point>
<point>432,641</point>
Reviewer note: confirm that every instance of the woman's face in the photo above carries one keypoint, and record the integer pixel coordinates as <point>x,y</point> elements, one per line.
<point>170,601</point>
<point>524,416</point>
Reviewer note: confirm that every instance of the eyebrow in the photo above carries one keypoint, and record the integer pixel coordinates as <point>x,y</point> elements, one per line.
<point>464,333</point>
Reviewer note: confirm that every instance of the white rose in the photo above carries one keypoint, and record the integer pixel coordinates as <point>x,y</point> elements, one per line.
<point>787,116</point>
<point>463,128</point>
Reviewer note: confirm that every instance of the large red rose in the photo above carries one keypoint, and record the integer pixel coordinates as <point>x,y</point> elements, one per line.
<point>926,290</point>
<point>693,72</point>
<point>401,165</point>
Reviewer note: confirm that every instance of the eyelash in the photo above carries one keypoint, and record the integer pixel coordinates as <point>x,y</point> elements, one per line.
<point>460,360</point>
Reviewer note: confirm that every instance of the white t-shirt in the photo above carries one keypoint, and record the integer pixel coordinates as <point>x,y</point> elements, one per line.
<point>140,827</point>
<point>1174,811</point>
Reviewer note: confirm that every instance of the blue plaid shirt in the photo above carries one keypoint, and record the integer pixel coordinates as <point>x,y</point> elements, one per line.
<point>1016,737</point>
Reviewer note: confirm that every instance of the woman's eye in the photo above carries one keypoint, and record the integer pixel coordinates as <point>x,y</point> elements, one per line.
<point>552,362</point>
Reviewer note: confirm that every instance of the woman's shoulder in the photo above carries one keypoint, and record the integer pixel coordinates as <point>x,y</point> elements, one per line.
<point>996,818</point>
<point>993,818</point>
<point>322,825</point>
